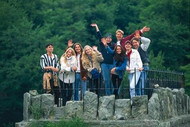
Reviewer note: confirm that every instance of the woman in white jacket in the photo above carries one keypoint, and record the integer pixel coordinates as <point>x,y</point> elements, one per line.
<point>134,66</point>
<point>67,74</point>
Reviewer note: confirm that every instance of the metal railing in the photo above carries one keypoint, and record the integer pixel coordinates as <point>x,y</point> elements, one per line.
<point>162,78</point>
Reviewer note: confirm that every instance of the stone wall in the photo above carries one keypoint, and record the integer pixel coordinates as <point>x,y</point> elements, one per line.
<point>166,107</point>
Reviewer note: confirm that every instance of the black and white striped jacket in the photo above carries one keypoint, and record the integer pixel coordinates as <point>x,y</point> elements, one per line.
<point>46,61</point>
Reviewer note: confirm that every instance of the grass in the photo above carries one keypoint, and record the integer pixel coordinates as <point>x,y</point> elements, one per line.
<point>75,122</point>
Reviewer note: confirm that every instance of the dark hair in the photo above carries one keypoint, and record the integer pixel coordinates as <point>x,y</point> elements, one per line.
<point>49,44</point>
<point>119,57</point>
<point>134,38</point>
<point>79,45</point>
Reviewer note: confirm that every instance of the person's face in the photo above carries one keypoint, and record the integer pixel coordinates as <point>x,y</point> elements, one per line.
<point>108,39</point>
<point>119,36</point>
<point>128,46</point>
<point>77,48</point>
<point>118,50</point>
<point>88,51</point>
<point>69,53</point>
<point>135,44</point>
<point>49,49</point>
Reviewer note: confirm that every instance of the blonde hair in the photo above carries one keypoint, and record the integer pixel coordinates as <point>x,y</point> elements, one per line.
<point>85,56</point>
<point>64,56</point>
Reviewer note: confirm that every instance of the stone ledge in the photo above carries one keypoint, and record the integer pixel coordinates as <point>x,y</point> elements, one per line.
<point>180,121</point>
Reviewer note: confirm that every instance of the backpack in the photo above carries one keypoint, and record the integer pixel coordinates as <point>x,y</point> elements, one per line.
<point>95,73</point>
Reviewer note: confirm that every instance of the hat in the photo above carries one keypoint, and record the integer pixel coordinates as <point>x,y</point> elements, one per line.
<point>119,30</point>
<point>128,42</point>
<point>108,35</point>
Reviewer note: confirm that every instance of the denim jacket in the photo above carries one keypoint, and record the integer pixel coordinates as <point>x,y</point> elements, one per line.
<point>121,67</point>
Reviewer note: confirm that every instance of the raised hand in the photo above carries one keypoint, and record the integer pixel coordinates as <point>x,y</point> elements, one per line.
<point>96,26</point>
<point>103,40</point>
<point>145,29</point>
<point>70,43</point>
<point>137,34</point>
<point>95,48</point>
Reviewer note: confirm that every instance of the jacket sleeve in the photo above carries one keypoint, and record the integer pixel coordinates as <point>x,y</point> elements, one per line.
<point>99,35</point>
<point>145,43</point>
<point>110,50</point>
<point>139,61</point>
<point>42,62</point>
<point>129,37</point>
<point>99,56</point>
<point>123,66</point>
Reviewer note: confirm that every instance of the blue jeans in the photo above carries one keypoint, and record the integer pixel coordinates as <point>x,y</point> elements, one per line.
<point>141,86</point>
<point>106,68</point>
<point>78,82</point>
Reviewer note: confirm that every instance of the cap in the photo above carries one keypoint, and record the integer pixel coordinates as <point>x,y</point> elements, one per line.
<point>108,35</point>
<point>128,42</point>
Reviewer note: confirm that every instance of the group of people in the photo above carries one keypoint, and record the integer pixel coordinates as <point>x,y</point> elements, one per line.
<point>78,65</point>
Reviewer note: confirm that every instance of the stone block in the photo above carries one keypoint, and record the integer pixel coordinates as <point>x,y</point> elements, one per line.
<point>106,107</point>
<point>122,109</point>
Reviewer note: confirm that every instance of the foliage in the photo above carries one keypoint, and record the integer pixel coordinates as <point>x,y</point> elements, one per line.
<point>36,111</point>
<point>27,25</point>
<point>75,122</point>
<point>156,62</point>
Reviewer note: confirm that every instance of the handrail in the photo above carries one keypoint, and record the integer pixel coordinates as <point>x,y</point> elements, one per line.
<point>173,80</point>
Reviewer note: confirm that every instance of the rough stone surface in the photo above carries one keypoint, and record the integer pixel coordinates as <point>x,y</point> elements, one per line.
<point>26,105</point>
<point>180,121</point>
<point>166,108</point>
<point>35,104</point>
<point>122,109</point>
<point>47,105</point>
<point>22,124</point>
<point>182,90</point>
<point>164,124</point>
<point>106,107</point>
<point>186,104</point>
<point>154,107</point>
<point>179,97</point>
<point>139,106</point>
<point>171,103</point>
<point>90,105</point>
<point>33,92</point>
<point>124,123</point>
<point>166,100</point>
<point>174,106</point>
<point>59,112</point>
<point>74,109</point>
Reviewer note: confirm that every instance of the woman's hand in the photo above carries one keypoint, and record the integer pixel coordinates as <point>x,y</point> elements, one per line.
<point>128,70</point>
<point>84,78</point>
<point>112,70</point>
<point>140,69</point>
<point>74,68</point>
